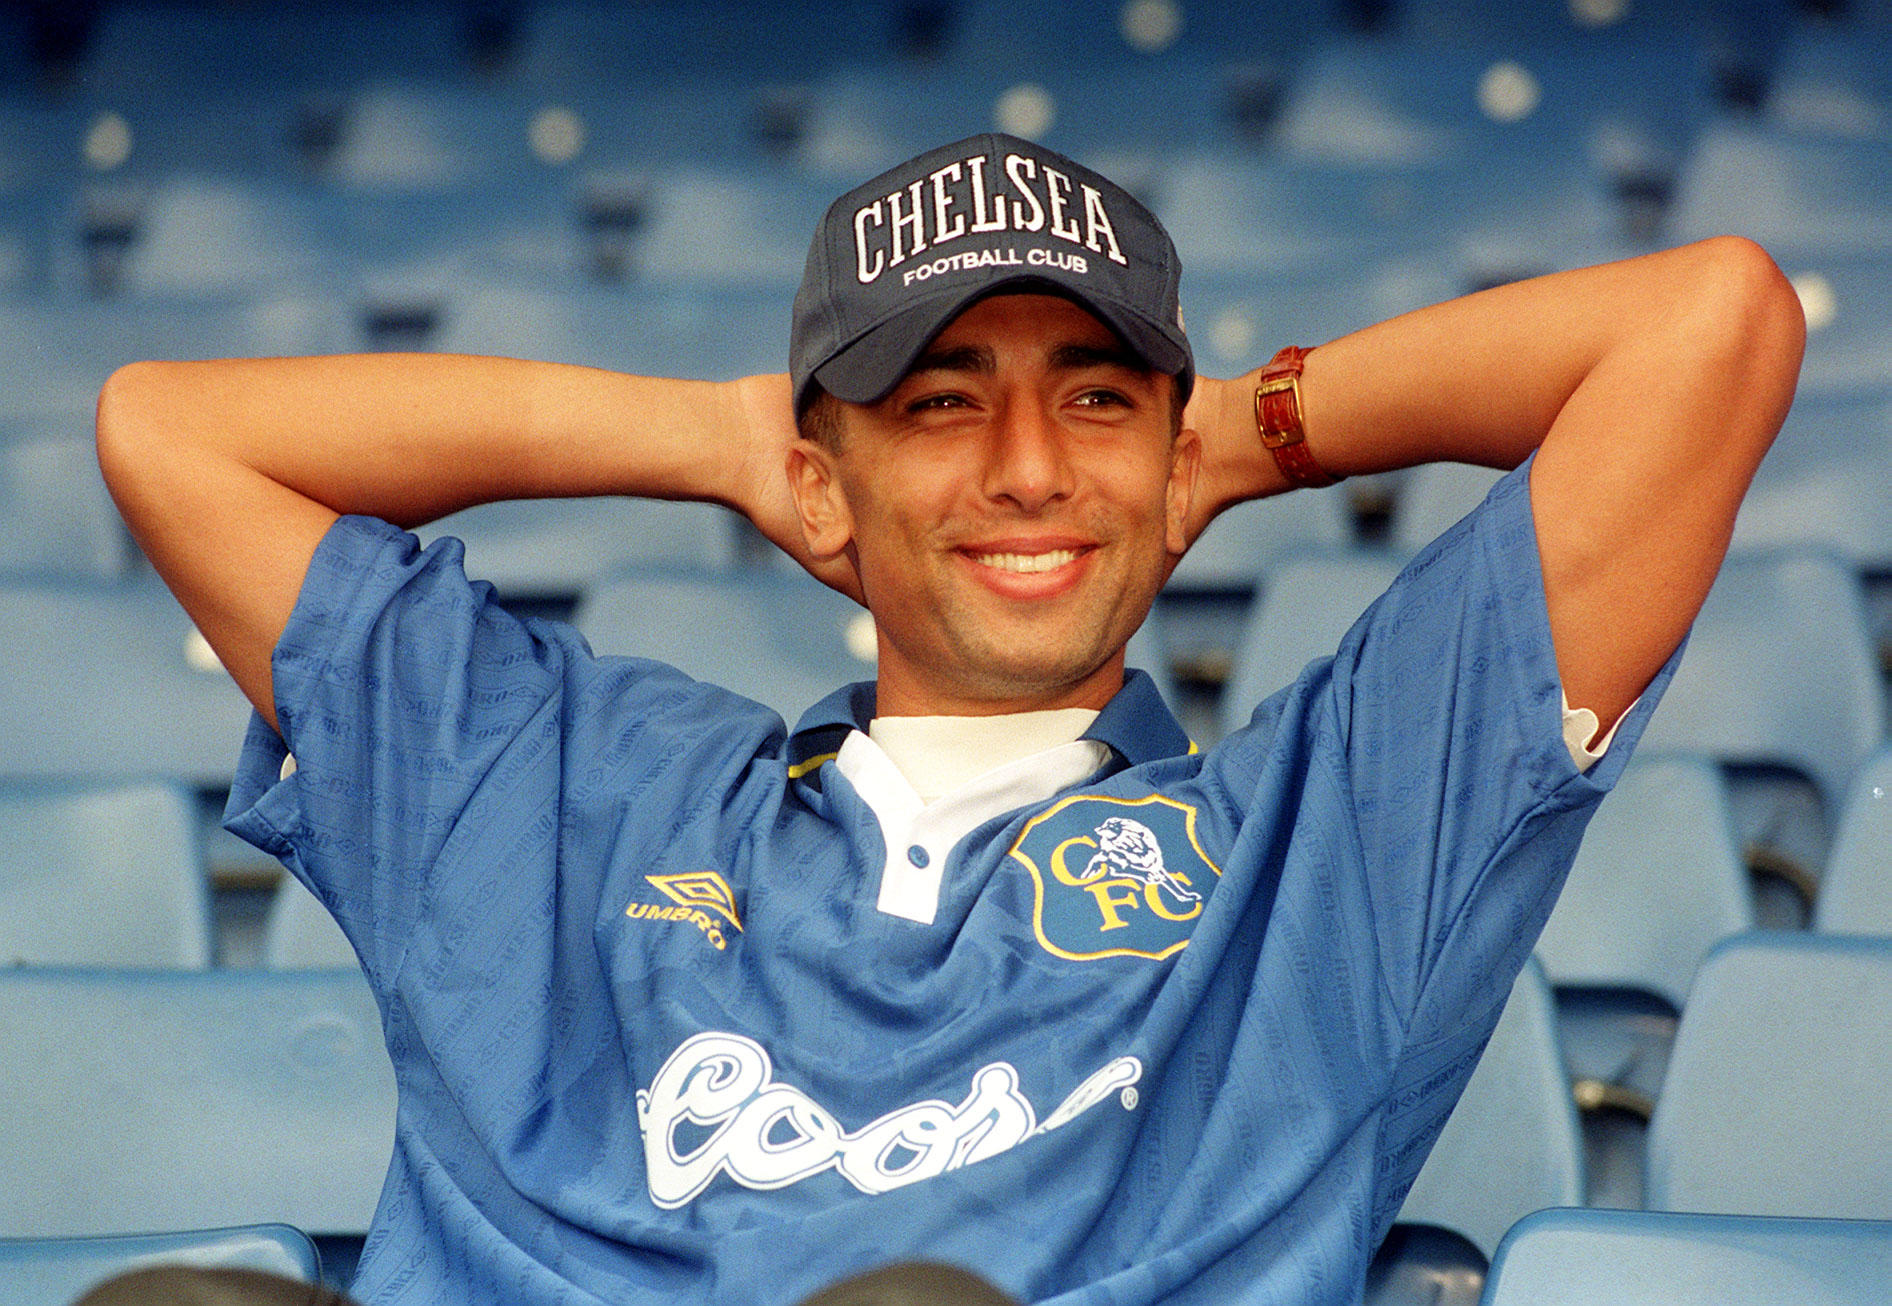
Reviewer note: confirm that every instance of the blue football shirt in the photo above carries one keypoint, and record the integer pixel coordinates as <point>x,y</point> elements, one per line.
<point>1181,1032</point>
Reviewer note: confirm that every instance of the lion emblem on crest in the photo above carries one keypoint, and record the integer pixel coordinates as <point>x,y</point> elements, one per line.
<point>1129,848</point>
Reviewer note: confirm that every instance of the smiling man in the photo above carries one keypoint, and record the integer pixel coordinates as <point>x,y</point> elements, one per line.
<point>984,962</point>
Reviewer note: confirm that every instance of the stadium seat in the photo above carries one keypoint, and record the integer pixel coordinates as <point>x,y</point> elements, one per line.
<point>1240,545</point>
<point>1835,81</point>
<point>56,518</point>
<point>143,1100</point>
<point>1776,1096</point>
<point>1402,102</point>
<point>268,52</point>
<point>775,635</point>
<point>1659,1258</point>
<point>102,875</point>
<point>1856,895</point>
<point>301,935</point>
<point>1307,604</point>
<point>1823,483</point>
<point>1779,673</point>
<point>1849,316</point>
<point>554,548</point>
<point>589,44</point>
<point>708,332</point>
<point>112,681</point>
<point>1433,497</point>
<point>1237,322</point>
<point>1657,883</point>
<point>1511,1144</point>
<point>1787,190</point>
<point>55,1271</point>
<point>56,353</point>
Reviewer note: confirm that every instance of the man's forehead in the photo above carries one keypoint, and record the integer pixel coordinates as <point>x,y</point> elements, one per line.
<point>1053,324</point>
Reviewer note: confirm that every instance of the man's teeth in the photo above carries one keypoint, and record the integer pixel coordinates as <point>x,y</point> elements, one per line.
<point>1028,562</point>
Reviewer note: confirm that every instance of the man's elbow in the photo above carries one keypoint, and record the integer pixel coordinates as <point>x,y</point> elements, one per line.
<point>129,420</point>
<point>1765,325</point>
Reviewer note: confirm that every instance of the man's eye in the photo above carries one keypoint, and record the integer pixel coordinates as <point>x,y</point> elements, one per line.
<point>1102,399</point>
<point>925,402</point>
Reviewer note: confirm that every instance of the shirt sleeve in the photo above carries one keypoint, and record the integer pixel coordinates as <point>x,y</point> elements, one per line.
<point>400,687</point>
<point>1439,729</point>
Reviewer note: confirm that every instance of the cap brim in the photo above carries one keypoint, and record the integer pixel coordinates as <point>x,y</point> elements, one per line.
<point>875,362</point>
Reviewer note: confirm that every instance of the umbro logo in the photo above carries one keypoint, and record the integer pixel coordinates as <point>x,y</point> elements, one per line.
<point>702,898</point>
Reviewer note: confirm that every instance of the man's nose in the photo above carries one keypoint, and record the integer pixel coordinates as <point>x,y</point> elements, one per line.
<point>1028,462</point>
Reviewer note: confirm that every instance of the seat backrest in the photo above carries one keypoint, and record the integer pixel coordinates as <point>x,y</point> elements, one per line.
<point>1433,497</point>
<point>777,636</point>
<point>540,547</point>
<point>112,681</point>
<point>1780,670</point>
<point>102,875</point>
<point>56,518</point>
<point>1823,483</point>
<point>1511,1145</point>
<point>1656,884</point>
<point>53,1271</point>
<point>1856,892</point>
<point>1777,1098</point>
<point>1306,606</point>
<point>301,935</point>
<point>1235,551</point>
<point>141,1100</point>
<point>1600,1257</point>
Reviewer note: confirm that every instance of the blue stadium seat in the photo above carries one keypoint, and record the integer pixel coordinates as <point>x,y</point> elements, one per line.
<point>776,635</point>
<point>267,51</point>
<point>588,44</point>
<point>1306,606</point>
<point>1240,545</point>
<point>1659,1258</point>
<point>1786,190</point>
<point>53,1271</point>
<point>1823,483</point>
<point>56,517</point>
<point>29,221</point>
<point>102,875</point>
<point>675,330</point>
<point>1836,81</point>
<point>1616,103</point>
<point>146,1100</point>
<point>301,935</point>
<point>1780,672</point>
<point>1508,217</point>
<point>553,548</point>
<point>729,227</point>
<point>1849,315</point>
<point>1511,1144</point>
<point>1856,895</point>
<point>1433,497</point>
<point>1237,322</point>
<point>112,681</point>
<point>1776,1098</point>
<point>1657,883</point>
<point>54,354</point>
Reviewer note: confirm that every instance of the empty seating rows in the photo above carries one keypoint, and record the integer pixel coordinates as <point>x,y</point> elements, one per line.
<point>569,198</point>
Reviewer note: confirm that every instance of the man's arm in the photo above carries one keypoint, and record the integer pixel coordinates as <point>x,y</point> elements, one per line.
<point>230,472</point>
<point>1651,388</point>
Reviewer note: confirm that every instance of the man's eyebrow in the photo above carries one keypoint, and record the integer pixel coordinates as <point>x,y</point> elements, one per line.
<point>964,358</point>
<point>1074,357</point>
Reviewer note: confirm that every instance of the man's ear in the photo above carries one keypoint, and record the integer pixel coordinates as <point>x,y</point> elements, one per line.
<point>1185,461</point>
<point>827,523</point>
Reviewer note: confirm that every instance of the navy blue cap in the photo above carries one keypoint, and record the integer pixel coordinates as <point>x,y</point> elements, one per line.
<point>896,259</point>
